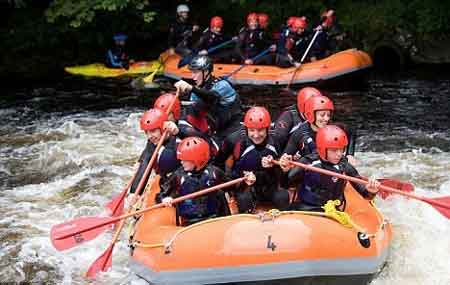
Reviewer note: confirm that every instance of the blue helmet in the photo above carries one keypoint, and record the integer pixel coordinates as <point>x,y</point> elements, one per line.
<point>120,37</point>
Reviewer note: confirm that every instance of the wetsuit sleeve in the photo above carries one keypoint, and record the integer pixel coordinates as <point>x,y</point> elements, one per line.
<point>144,159</point>
<point>210,97</point>
<point>112,61</point>
<point>282,127</point>
<point>170,187</point>
<point>295,175</point>
<point>362,189</point>
<point>226,149</point>
<point>240,45</point>
<point>293,143</point>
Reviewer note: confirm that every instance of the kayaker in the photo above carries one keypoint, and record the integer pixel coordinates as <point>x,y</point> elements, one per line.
<point>194,175</point>
<point>117,56</point>
<point>293,115</point>
<point>211,37</point>
<point>153,122</point>
<point>251,149</point>
<point>214,96</point>
<point>331,40</point>
<point>180,32</point>
<point>252,40</point>
<point>315,189</point>
<point>293,43</point>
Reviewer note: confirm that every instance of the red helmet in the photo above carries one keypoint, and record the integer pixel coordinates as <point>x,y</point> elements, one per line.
<point>257,118</point>
<point>330,136</point>
<point>153,119</point>
<point>194,149</point>
<point>317,103</point>
<point>216,22</point>
<point>303,95</point>
<point>290,21</point>
<point>263,20</point>
<point>299,23</point>
<point>252,17</point>
<point>163,102</point>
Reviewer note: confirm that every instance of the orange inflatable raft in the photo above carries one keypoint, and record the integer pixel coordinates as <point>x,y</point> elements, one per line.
<point>341,64</point>
<point>270,247</point>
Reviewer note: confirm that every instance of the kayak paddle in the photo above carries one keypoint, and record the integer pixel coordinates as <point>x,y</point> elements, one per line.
<point>441,204</point>
<point>188,58</point>
<point>73,233</point>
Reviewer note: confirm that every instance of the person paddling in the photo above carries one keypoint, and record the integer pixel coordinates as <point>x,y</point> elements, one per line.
<point>117,57</point>
<point>315,189</point>
<point>214,96</point>
<point>293,115</point>
<point>153,122</point>
<point>196,174</point>
<point>293,43</point>
<point>251,149</point>
<point>212,37</point>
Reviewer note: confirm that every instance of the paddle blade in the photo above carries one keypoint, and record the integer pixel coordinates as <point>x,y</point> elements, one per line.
<point>402,186</point>
<point>185,60</point>
<point>117,204</point>
<point>103,263</point>
<point>442,204</point>
<point>69,232</point>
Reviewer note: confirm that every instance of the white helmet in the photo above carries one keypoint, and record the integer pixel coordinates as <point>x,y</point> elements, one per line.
<point>182,8</point>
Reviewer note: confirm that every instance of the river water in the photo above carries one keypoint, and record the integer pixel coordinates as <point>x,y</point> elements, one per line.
<point>66,150</point>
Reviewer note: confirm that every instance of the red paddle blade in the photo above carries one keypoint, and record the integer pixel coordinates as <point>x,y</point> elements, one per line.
<point>103,263</point>
<point>117,204</point>
<point>402,186</point>
<point>69,230</point>
<point>442,204</point>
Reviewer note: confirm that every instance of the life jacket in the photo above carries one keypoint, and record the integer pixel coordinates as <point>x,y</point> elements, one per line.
<point>203,206</point>
<point>166,161</point>
<point>247,157</point>
<point>317,188</point>
<point>228,106</point>
<point>116,57</point>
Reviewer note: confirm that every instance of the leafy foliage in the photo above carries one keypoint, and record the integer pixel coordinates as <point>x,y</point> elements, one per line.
<point>80,12</point>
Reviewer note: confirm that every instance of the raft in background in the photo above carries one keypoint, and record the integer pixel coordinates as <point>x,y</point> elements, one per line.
<point>342,64</point>
<point>268,248</point>
<point>100,70</point>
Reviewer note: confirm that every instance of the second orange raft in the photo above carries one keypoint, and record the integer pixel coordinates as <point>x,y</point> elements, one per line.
<point>344,63</point>
<point>339,247</point>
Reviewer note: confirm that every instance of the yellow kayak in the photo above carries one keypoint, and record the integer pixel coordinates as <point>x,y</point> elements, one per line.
<point>100,70</point>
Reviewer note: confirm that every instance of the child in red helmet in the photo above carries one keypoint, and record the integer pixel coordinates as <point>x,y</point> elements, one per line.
<point>293,115</point>
<point>293,43</point>
<point>252,149</point>
<point>315,189</point>
<point>153,122</point>
<point>211,37</point>
<point>196,174</point>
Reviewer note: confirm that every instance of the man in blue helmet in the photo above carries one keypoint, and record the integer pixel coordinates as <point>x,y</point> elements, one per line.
<point>117,56</point>
<point>213,96</point>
